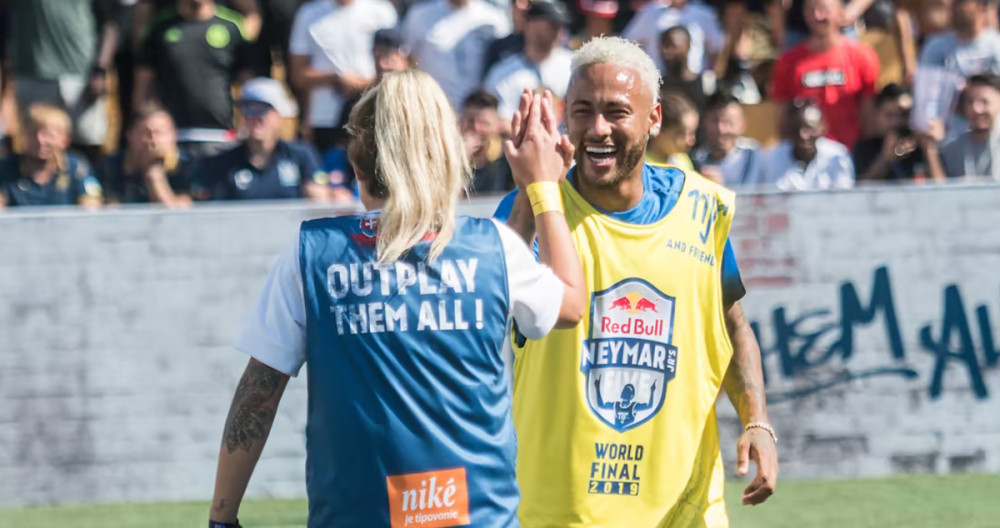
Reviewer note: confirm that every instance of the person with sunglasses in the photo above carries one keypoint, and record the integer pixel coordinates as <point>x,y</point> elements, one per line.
<point>263,166</point>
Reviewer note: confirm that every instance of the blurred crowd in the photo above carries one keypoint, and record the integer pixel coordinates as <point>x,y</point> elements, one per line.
<point>175,101</point>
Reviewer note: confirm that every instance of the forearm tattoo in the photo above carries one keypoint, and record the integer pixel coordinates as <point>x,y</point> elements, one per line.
<point>253,408</point>
<point>744,381</point>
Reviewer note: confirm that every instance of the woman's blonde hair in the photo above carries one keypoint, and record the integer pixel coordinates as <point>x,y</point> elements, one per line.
<point>406,144</point>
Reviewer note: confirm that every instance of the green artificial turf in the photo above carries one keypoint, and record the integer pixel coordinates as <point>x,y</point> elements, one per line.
<point>956,501</point>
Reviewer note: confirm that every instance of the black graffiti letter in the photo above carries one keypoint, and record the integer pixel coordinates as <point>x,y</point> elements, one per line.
<point>954,319</point>
<point>852,313</point>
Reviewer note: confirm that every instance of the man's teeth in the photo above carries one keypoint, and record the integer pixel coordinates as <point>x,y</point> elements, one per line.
<point>600,150</point>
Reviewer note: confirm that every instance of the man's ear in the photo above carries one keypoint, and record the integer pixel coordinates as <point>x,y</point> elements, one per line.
<point>655,119</point>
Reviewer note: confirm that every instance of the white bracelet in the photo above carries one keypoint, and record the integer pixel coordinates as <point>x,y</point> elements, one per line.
<point>764,426</point>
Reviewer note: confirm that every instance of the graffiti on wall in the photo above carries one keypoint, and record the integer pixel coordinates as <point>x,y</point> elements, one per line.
<point>805,346</point>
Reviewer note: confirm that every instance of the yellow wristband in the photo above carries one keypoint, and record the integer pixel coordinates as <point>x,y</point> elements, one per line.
<point>544,197</point>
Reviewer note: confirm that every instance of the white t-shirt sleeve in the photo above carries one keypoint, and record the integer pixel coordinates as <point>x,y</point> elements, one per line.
<point>535,293</point>
<point>275,334</point>
<point>298,41</point>
<point>501,25</point>
<point>388,18</point>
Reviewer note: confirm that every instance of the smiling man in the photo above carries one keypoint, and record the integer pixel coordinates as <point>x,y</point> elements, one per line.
<point>615,418</point>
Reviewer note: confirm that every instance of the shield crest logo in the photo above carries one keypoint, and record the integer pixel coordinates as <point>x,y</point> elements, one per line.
<point>628,360</point>
<point>288,173</point>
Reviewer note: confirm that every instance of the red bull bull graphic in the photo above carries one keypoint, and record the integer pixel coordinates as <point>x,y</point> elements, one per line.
<point>644,305</point>
<point>628,359</point>
<point>622,303</point>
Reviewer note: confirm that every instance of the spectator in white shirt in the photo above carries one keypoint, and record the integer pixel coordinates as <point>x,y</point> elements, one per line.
<point>701,21</point>
<point>542,64</point>
<point>727,156</point>
<point>448,40</point>
<point>972,48</point>
<point>807,160</point>
<point>331,58</point>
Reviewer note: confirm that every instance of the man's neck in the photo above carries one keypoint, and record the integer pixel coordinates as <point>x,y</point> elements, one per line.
<point>980,135</point>
<point>719,152</point>
<point>38,170</point>
<point>969,34</point>
<point>597,26</point>
<point>261,151</point>
<point>804,156</point>
<point>200,13</point>
<point>343,3</point>
<point>458,4</point>
<point>679,71</point>
<point>622,197</point>
<point>537,54</point>
<point>824,42</point>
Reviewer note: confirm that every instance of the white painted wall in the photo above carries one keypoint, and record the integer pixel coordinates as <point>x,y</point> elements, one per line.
<point>117,366</point>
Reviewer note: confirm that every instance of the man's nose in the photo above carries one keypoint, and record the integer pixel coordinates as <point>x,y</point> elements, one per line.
<point>601,127</point>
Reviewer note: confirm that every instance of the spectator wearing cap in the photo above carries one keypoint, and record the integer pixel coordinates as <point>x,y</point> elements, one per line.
<point>448,40</point>
<point>189,62</point>
<point>151,169</point>
<point>542,64</point>
<point>970,48</point>
<point>598,20</point>
<point>389,55</point>
<point>331,59</point>
<point>806,160</point>
<point>702,23</point>
<point>388,52</point>
<point>727,156</point>
<point>976,153</point>
<point>482,129</point>
<point>60,51</point>
<point>835,72</point>
<point>263,166</point>
<point>46,174</point>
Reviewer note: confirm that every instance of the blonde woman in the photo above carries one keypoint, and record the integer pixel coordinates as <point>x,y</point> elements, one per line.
<point>400,314</point>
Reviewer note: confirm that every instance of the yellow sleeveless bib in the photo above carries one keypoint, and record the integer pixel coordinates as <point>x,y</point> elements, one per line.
<point>610,415</point>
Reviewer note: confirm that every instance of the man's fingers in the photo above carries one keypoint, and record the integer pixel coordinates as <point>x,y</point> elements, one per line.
<point>535,114</point>
<point>509,149</point>
<point>763,485</point>
<point>515,127</point>
<point>517,132</point>
<point>742,456</point>
<point>568,150</point>
<point>550,115</point>
<point>758,491</point>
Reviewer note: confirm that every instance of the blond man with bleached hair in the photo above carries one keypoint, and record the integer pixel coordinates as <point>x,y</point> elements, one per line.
<point>46,173</point>
<point>401,313</point>
<point>615,417</point>
<point>624,54</point>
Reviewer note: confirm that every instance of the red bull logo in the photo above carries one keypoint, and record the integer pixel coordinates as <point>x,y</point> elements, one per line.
<point>635,327</point>
<point>622,303</point>
<point>628,358</point>
<point>633,303</point>
<point>644,305</point>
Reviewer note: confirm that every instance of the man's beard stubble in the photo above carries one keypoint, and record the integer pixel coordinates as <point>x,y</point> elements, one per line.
<point>625,164</point>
